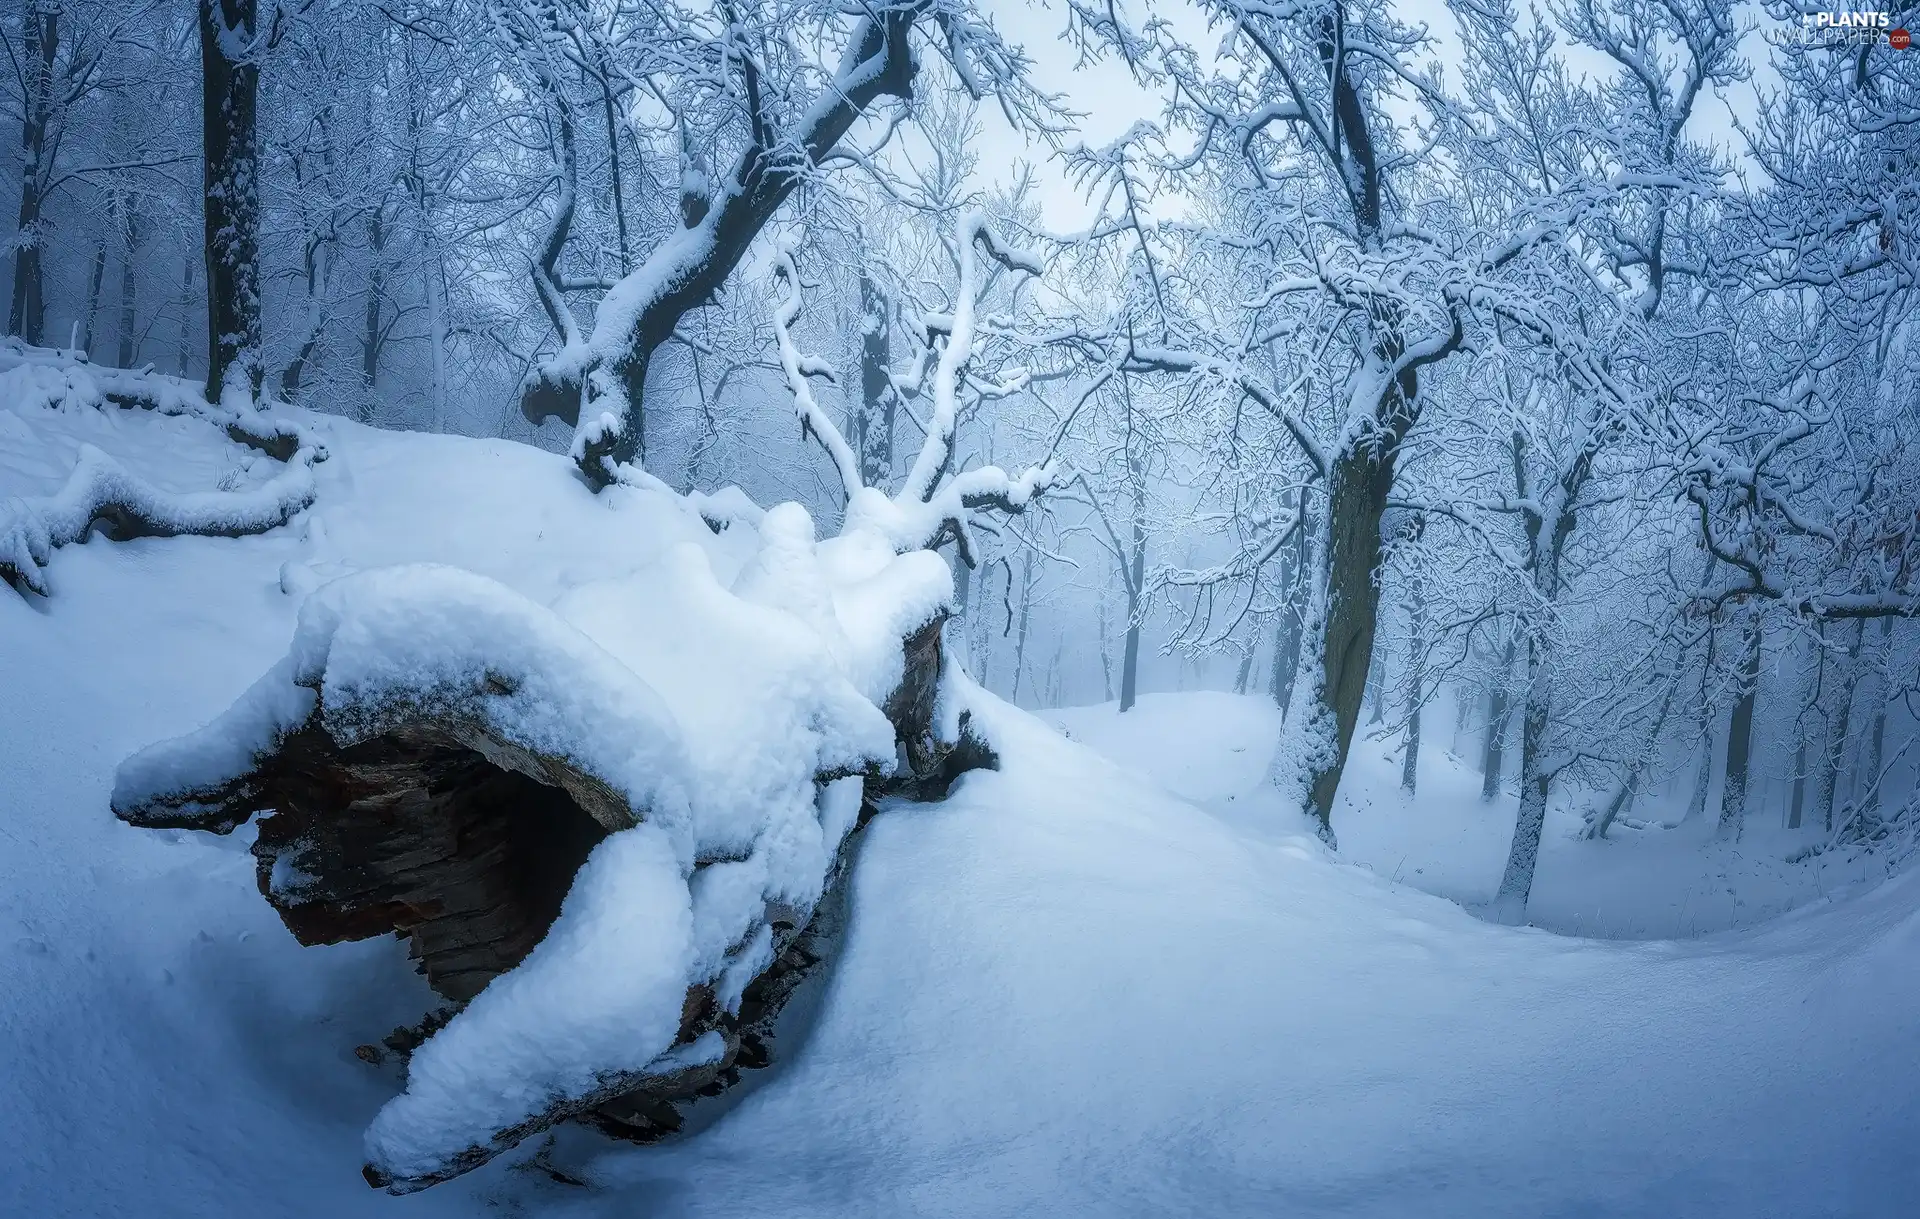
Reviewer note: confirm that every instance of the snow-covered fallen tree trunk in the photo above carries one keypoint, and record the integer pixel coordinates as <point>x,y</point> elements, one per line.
<point>605,824</point>
<point>101,492</point>
<point>610,874</point>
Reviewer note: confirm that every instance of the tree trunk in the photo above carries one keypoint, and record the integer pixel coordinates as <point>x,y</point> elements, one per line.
<point>1291,625</point>
<point>94,282</point>
<point>1106,651</point>
<point>873,426</point>
<point>437,329</point>
<point>1703,778</point>
<point>40,45</point>
<point>1733,790</point>
<point>1868,785</point>
<point>1376,688</point>
<point>230,89</point>
<point>1343,649</point>
<point>1416,691</point>
<point>1799,803</point>
<point>129,285</point>
<point>465,844</point>
<point>1020,637</point>
<point>1246,671</point>
<point>1839,726</point>
<point>1130,656</point>
<point>291,375</point>
<point>186,311</point>
<point>1499,709</point>
<point>373,340</point>
<point>1516,884</point>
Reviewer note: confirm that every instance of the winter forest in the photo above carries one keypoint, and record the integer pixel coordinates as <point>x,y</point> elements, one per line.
<point>960,607</point>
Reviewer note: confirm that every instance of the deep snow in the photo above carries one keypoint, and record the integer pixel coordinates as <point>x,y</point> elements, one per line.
<point>1065,990</point>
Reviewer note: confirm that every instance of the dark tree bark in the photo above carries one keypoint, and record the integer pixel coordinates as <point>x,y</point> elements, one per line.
<point>1733,790</point>
<point>1020,631</point>
<point>1839,727</point>
<point>94,283</point>
<point>230,89</point>
<point>1416,691</point>
<point>1499,710</point>
<point>374,338</point>
<point>1136,574</point>
<point>129,284</point>
<point>1287,633</point>
<point>1869,781</point>
<point>40,45</point>
<point>873,425</point>
<point>760,182</point>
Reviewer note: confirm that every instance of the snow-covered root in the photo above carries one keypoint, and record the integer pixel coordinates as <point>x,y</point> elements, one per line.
<point>607,847</point>
<point>101,491</point>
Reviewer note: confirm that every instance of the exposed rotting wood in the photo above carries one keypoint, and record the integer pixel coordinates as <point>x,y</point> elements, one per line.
<point>415,832</point>
<point>465,846</point>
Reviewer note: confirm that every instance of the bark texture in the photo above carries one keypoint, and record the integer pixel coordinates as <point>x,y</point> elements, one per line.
<point>230,91</point>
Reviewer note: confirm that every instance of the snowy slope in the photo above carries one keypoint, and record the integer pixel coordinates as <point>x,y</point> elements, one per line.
<point>1065,990</point>
<point>1669,878</point>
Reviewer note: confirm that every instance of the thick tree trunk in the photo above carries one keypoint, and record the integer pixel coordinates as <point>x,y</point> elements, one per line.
<point>230,88</point>
<point>1343,649</point>
<point>465,844</point>
<point>40,45</point>
<point>1516,883</point>
<point>1733,790</point>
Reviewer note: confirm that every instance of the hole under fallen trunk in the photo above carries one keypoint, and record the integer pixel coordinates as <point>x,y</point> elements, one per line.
<point>414,832</point>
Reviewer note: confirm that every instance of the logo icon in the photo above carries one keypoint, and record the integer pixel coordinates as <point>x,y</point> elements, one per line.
<point>1899,40</point>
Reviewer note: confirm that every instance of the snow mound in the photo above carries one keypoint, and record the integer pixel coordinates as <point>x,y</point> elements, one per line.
<point>724,722</point>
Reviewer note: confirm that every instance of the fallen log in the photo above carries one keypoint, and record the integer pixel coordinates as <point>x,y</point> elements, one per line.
<point>102,493</point>
<point>454,807</point>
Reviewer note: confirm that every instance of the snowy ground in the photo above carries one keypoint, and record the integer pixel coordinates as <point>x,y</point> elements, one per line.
<point>1071,989</point>
<point>1668,879</point>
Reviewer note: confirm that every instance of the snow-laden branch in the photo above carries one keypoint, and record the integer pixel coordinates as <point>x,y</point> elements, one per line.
<point>797,367</point>
<point>933,504</point>
<point>102,491</point>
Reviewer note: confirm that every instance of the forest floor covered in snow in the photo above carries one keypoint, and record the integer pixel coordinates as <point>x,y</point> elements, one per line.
<point>1072,988</point>
<point>1661,877</point>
